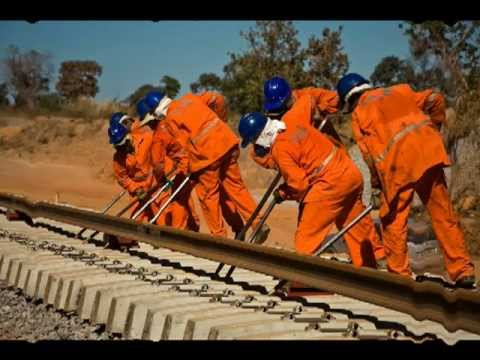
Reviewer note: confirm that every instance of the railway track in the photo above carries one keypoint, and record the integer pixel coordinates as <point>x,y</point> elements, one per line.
<point>157,293</point>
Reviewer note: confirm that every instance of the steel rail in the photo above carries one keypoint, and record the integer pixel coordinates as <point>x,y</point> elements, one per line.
<point>455,310</point>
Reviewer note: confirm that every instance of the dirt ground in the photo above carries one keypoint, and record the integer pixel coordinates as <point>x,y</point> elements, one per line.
<point>78,186</point>
<point>70,161</point>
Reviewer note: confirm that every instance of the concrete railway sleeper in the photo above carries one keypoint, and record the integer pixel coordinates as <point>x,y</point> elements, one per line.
<point>138,299</point>
<point>454,309</point>
<point>125,304</point>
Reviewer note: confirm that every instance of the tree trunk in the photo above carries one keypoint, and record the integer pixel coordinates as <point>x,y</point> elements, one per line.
<point>29,101</point>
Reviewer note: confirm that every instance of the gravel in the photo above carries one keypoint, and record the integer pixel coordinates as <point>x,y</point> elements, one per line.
<point>21,319</point>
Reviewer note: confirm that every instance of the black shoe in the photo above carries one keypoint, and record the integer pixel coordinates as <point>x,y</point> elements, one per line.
<point>467,282</point>
<point>281,289</point>
<point>262,235</point>
<point>382,264</point>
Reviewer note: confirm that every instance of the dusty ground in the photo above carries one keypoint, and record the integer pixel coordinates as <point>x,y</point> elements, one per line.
<point>78,185</point>
<point>69,161</point>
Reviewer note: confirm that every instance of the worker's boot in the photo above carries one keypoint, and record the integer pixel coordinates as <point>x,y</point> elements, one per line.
<point>15,215</point>
<point>382,264</point>
<point>119,243</point>
<point>294,288</point>
<point>262,235</point>
<point>466,282</point>
<point>281,289</point>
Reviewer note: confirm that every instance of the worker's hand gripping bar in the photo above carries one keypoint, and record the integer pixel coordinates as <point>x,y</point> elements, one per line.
<point>131,204</point>
<point>154,197</point>
<point>271,188</point>
<point>170,199</point>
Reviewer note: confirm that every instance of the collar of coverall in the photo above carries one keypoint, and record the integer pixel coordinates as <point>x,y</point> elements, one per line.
<point>161,110</point>
<point>147,119</point>
<point>127,137</point>
<point>123,118</point>
<point>356,90</point>
<point>269,133</point>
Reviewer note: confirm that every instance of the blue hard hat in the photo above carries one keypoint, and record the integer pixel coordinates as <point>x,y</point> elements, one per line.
<point>277,92</point>
<point>142,109</point>
<point>153,98</point>
<point>250,126</point>
<point>116,117</point>
<point>347,83</point>
<point>116,133</point>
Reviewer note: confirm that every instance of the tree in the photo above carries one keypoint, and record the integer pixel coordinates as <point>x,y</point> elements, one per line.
<point>27,74</point>
<point>168,85</point>
<point>171,86</point>
<point>391,70</point>
<point>453,51</point>
<point>327,62</point>
<point>207,82</point>
<point>273,50</point>
<point>417,73</point>
<point>78,78</point>
<point>3,94</point>
<point>450,56</point>
<point>141,92</point>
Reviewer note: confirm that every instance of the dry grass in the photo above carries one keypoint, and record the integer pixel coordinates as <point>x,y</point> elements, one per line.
<point>83,108</point>
<point>88,109</point>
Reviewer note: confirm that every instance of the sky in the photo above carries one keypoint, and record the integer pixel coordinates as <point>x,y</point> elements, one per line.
<point>133,53</point>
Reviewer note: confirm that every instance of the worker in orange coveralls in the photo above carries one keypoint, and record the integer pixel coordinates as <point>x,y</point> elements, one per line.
<point>180,212</point>
<point>132,165</point>
<point>310,107</point>
<point>280,101</point>
<point>218,104</point>
<point>213,152</point>
<point>397,130</point>
<point>325,182</point>
<point>168,157</point>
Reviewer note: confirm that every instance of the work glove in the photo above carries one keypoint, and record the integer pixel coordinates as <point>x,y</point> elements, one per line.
<point>376,199</point>
<point>280,194</point>
<point>376,182</point>
<point>260,151</point>
<point>178,180</point>
<point>277,196</point>
<point>374,178</point>
<point>140,194</point>
<point>318,118</point>
<point>169,183</point>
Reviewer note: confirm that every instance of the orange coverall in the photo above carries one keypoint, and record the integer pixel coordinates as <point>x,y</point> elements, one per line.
<point>133,172</point>
<point>325,101</point>
<point>328,186</point>
<point>213,153</point>
<point>401,143</point>
<point>167,155</point>
<point>217,103</point>
<point>322,102</point>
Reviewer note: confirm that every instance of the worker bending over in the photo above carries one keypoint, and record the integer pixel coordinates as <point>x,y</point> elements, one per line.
<point>397,130</point>
<point>324,181</point>
<point>213,152</point>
